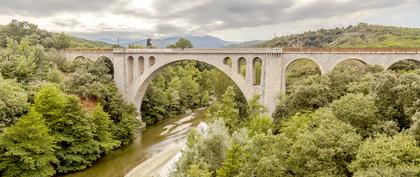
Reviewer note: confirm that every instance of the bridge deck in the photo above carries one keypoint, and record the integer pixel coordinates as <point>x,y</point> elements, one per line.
<point>250,51</point>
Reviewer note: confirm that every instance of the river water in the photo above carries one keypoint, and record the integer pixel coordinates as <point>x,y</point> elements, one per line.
<point>150,155</point>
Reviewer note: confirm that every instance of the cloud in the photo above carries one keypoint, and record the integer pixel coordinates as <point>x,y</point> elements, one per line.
<point>42,8</point>
<point>165,17</point>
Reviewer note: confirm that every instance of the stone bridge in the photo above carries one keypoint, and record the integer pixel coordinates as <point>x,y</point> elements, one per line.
<point>134,69</point>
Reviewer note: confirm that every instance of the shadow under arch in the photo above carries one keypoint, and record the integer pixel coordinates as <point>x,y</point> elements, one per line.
<point>350,63</point>
<point>108,63</point>
<point>405,65</point>
<point>141,89</point>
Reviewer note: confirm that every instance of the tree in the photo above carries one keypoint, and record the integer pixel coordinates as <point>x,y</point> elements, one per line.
<point>225,109</point>
<point>13,102</point>
<point>357,110</point>
<point>324,148</point>
<point>71,126</point>
<point>415,127</point>
<point>399,153</point>
<point>27,149</point>
<point>182,43</point>
<point>102,129</point>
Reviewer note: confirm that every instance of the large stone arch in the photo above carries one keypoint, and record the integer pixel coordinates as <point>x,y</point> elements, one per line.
<point>141,84</point>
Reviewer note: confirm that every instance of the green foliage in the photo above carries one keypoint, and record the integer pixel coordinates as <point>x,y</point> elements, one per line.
<point>102,129</point>
<point>179,87</point>
<point>135,46</point>
<point>18,30</point>
<point>209,151</point>
<point>71,126</point>
<point>398,156</point>
<point>235,157</point>
<point>397,97</point>
<point>357,110</point>
<point>13,102</point>
<point>299,69</point>
<point>26,148</point>
<point>260,124</point>
<point>415,127</point>
<point>182,43</point>
<point>324,148</point>
<point>226,109</point>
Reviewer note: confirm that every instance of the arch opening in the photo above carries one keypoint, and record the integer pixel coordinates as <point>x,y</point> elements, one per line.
<point>228,61</point>
<point>107,62</point>
<point>257,71</point>
<point>209,76</point>
<point>130,66</point>
<point>351,64</point>
<point>405,65</point>
<point>140,66</point>
<point>152,61</point>
<point>242,66</point>
<point>298,70</point>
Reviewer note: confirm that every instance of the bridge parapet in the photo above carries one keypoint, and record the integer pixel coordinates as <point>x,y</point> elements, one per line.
<point>200,51</point>
<point>352,50</point>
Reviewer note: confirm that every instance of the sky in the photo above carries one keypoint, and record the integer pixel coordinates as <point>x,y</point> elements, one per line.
<point>232,20</point>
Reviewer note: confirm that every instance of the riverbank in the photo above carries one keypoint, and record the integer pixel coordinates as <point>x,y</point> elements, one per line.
<point>151,152</point>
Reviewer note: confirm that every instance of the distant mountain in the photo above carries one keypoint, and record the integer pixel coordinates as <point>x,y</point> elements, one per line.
<point>354,36</point>
<point>197,41</point>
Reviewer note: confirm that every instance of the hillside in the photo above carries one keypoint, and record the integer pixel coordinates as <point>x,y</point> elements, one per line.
<point>18,30</point>
<point>358,36</point>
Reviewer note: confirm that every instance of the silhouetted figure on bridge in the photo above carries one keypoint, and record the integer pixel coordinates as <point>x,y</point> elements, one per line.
<point>149,43</point>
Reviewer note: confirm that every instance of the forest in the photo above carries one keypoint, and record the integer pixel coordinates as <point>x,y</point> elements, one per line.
<point>357,120</point>
<point>58,117</point>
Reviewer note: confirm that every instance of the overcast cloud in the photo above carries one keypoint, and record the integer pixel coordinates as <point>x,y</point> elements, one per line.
<point>238,20</point>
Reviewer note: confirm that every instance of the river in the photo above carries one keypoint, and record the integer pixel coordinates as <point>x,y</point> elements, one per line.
<point>149,155</point>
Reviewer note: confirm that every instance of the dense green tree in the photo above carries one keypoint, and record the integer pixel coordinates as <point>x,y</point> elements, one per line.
<point>225,109</point>
<point>181,43</point>
<point>71,126</point>
<point>236,156</point>
<point>388,156</point>
<point>415,127</point>
<point>324,148</point>
<point>26,148</point>
<point>357,110</point>
<point>13,102</point>
<point>102,129</point>
<point>208,149</point>
<point>300,69</point>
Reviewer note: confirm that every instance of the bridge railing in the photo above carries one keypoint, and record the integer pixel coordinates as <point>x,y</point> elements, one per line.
<point>351,50</point>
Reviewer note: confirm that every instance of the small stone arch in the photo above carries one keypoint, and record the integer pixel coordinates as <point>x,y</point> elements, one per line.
<point>227,61</point>
<point>292,75</point>
<point>130,66</point>
<point>108,63</point>
<point>140,66</point>
<point>405,64</point>
<point>152,61</point>
<point>349,63</point>
<point>257,71</point>
<point>242,66</point>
